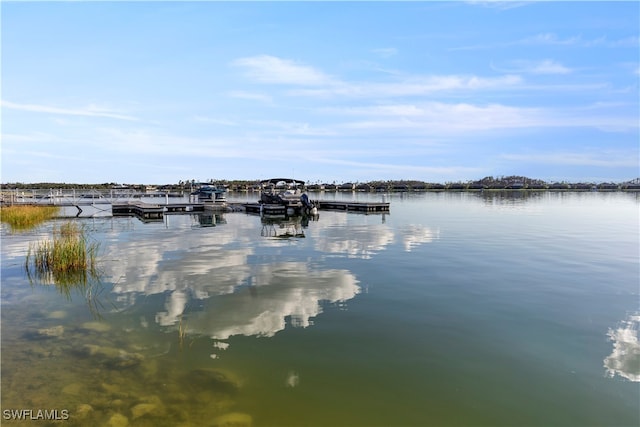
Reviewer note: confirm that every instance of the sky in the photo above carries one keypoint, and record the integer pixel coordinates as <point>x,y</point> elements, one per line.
<point>159,92</point>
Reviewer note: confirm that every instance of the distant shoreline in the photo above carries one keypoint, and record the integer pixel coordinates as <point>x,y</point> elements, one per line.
<point>185,192</point>
<point>503,183</point>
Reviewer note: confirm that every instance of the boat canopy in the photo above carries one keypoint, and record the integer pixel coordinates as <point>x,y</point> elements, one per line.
<point>277,180</point>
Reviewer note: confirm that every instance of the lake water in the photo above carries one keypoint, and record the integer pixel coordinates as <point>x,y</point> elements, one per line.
<point>454,309</point>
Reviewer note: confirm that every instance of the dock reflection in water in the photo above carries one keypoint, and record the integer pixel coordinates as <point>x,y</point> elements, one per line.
<point>283,227</point>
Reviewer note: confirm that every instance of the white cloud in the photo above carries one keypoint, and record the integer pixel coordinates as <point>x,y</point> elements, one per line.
<point>271,69</point>
<point>413,86</point>
<point>216,121</point>
<point>600,159</point>
<point>33,136</point>
<point>251,96</point>
<point>385,52</point>
<point>549,67</point>
<point>537,39</point>
<point>91,110</point>
<point>499,4</point>
<point>631,41</point>
<point>388,167</point>
<point>549,39</point>
<point>290,128</point>
<point>546,66</point>
<point>552,39</point>
<point>438,118</point>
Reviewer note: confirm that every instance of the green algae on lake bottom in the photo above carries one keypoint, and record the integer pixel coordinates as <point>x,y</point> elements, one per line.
<point>108,376</point>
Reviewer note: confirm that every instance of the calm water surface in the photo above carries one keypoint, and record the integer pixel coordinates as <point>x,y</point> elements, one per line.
<point>454,309</point>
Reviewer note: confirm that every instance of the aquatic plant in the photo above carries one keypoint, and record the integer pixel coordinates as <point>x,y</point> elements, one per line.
<point>68,252</point>
<point>69,259</point>
<point>25,217</point>
<point>182,334</point>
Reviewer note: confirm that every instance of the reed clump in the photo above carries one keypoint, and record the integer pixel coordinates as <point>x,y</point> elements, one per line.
<point>27,216</point>
<point>67,259</point>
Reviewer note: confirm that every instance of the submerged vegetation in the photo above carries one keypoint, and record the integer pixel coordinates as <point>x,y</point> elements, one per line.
<point>69,259</point>
<point>27,216</point>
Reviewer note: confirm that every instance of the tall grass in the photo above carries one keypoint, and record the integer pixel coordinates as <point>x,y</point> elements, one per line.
<point>25,217</point>
<point>68,259</point>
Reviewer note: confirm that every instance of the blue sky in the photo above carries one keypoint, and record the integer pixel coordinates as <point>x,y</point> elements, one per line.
<point>143,92</point>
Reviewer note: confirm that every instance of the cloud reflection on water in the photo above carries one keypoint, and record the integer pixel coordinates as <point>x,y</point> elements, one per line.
<point>274,292</point>
<point>365,241</point>
<point>413,235</point>
<point>625,358</point>
<point>277,291</point>
<point>356,241</point>
<point>237,291</point>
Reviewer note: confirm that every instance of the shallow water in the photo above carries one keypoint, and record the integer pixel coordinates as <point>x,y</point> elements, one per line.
<point>454,309</point>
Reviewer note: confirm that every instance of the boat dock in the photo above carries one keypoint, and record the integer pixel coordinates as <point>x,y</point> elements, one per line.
<point>369,207</point>
<point>151,212</point>
<point>144,211</point>
<point>267,209</point>
<point>277,209</point>
<point>156,212</point>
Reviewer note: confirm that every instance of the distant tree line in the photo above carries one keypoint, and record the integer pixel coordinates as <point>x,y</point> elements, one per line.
<point>512,182</point>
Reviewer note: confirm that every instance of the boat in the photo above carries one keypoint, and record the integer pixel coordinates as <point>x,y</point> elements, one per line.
<point>210,193</point>
<point>285,194</point>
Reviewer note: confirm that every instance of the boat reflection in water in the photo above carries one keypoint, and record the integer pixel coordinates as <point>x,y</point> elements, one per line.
<point>209,219</point>
<point>284,227</point>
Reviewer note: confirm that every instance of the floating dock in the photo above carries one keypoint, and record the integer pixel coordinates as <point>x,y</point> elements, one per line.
<point>155,212</point>
<point>144,211</point>
<point>267,209</point>
<point>369,207</point>
<point>276,209</point>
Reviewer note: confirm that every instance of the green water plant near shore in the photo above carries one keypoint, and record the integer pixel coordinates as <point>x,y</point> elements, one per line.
<point>69,259</point>
<point>26,217</point>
